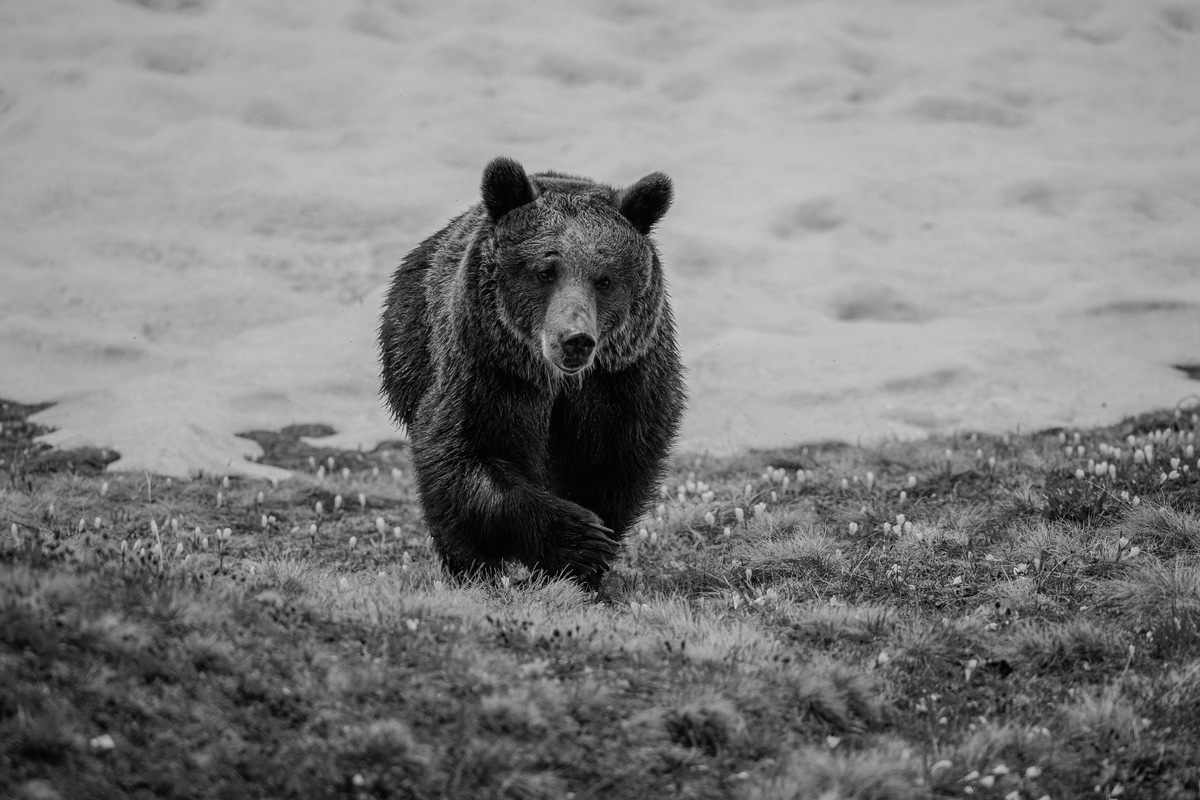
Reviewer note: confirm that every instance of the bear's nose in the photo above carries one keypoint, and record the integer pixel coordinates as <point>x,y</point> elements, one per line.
<point>577,347</point>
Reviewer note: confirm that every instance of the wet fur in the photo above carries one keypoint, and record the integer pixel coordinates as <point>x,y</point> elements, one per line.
<point>514,459</point>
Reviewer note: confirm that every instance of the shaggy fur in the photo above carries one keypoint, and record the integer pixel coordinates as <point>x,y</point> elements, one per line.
<point>529,349</point>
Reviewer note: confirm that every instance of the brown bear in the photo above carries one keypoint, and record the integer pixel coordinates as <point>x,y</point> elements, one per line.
<point>529,349</point>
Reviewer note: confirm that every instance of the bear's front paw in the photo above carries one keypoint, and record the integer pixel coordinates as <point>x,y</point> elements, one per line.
<point>587,547</point>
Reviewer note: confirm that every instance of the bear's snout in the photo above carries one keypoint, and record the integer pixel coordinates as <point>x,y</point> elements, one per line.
<point>570,351</point>
<point>569,331</point>
<point>577,347</point>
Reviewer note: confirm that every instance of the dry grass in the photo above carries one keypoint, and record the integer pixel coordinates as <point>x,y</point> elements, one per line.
<point>1004,626</point>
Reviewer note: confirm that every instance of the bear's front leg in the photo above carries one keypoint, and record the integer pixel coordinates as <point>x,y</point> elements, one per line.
<point>482,480</point>
<point>609,439</point>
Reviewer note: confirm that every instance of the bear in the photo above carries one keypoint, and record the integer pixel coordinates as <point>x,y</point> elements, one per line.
<point>529,350</point>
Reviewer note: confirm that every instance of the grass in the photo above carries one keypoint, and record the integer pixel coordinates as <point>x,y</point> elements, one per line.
<point>965,616</point>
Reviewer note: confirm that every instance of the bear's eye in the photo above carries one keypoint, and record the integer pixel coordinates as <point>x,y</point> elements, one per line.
<point>603,283</point>
<point>548,273</point>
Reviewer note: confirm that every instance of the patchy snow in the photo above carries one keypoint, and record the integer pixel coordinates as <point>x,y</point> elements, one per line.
<point>892,216</point>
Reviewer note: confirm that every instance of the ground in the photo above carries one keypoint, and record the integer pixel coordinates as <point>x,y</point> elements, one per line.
<point>969,615</point>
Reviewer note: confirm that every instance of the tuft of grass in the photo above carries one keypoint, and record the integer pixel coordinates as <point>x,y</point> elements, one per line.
<point>712,724</point>
<point>1043,645</point>
<point>1159,602</point>
<point>1161,530</point>
<point>884,773</point>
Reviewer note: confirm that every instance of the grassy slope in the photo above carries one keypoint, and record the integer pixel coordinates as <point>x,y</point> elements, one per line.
<point>1029,631</point>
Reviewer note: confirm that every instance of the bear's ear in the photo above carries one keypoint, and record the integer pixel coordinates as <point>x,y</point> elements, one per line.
<point>505,186</point>
<point>645,202</point>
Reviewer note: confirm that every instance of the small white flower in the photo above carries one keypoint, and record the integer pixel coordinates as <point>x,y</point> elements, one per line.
<point>102,743</point>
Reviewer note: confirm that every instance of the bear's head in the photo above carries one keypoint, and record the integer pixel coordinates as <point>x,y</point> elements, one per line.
<point>576,276</point>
